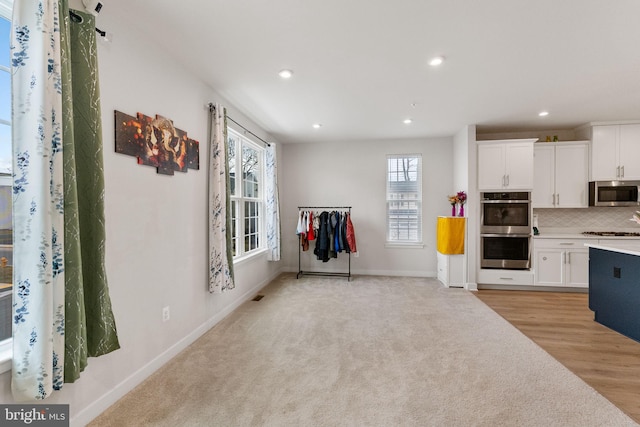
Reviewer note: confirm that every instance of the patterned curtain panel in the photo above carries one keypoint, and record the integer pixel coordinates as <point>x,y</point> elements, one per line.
<point>90,328</point>
<point>38,212</point>
<point>58,243</point>
<point>220,242</point>
<point>272,205</point>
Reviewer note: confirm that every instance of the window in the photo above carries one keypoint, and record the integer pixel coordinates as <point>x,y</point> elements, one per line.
<point>247,194</point>
<point>6,227</point>
<point>404,198</point>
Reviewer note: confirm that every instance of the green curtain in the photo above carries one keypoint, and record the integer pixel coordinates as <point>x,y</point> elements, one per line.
<point>229,222</point>
<point>90,328</point>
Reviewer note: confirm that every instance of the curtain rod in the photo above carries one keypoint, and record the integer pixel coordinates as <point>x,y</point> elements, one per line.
<point>77,18</point>
<point>212,108</point>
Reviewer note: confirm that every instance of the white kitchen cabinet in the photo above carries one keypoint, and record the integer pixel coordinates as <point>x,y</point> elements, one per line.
<point>451,270</point>
<point>615,150</point>
<point>577,272</point>
<point>561,262</point>
<point>505,165</point>
<point>560,175</point>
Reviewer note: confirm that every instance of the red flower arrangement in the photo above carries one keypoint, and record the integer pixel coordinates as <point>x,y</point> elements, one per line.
<point>460,198</point>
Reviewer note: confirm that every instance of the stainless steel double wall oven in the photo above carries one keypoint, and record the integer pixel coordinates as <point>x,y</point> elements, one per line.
<point>505,230</point>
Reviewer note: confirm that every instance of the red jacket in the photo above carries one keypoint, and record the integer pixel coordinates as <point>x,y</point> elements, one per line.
<point>351,235</point>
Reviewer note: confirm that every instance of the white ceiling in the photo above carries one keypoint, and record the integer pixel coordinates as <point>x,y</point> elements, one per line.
<point>359,65</point>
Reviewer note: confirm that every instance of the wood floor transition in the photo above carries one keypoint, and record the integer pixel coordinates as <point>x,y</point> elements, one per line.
<point>563,325</point>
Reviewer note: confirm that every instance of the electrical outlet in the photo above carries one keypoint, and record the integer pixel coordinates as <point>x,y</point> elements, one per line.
<point>166,315</point>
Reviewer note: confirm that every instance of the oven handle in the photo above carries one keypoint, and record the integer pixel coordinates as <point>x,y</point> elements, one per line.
<point>505,201</point>
<point>505,235</point>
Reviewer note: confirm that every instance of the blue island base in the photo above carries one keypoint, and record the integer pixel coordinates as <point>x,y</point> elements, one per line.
<point>614,290</point>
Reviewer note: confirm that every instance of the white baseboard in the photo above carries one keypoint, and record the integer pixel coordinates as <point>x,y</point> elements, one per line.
<point>399,273</point>
<point>100,405</point>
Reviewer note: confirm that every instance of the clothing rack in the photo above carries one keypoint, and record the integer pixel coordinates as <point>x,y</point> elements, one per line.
<point>321,273</point>
<point>212,108</point>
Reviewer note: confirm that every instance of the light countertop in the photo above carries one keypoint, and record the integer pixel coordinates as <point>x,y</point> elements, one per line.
<point>576,233</point>
<point>631,249</point>
<point>567,236</point>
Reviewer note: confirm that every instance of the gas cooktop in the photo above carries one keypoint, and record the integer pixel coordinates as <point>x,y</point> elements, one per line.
<point>612,233</point>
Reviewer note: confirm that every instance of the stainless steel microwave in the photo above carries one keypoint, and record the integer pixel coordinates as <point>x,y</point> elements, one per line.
<point>614,193</point>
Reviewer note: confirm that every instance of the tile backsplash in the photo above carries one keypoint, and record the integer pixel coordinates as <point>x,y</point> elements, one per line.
<point>589,219</point>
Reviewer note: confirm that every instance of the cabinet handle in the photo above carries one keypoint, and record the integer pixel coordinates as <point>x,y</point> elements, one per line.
<point>618,172</point>
<point>506,278</point>
<point>622,176</point>
<point>566,244</point>
<point>564,257</point>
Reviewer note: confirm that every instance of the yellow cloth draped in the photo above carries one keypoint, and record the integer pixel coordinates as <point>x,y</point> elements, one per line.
<point>450,234</point>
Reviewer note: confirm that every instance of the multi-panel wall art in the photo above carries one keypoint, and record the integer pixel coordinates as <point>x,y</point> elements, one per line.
<point>156,142</point>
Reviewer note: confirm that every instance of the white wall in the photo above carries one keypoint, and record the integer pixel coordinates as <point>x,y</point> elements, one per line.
<point>354,174</point>
<point>156,247</point>
<point>465,179</point>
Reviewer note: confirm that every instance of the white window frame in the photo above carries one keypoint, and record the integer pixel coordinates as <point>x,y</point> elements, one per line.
<point>6,346</point>
<point>394,240</point>
<point>239,199</point>
<point>6,9</point>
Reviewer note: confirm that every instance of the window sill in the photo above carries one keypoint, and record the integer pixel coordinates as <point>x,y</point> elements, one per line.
<point>249,257</point>
<point>403,245</point>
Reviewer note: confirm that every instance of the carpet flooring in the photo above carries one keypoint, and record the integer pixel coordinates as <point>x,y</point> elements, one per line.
<point>373,351</point>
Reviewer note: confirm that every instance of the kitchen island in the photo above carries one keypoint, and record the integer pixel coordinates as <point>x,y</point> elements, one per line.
<point>614,286</point>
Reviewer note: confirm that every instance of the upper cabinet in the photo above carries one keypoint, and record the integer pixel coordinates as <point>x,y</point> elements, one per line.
<point>615,150</point>
<point>505,165</point>
<point>560,175</point>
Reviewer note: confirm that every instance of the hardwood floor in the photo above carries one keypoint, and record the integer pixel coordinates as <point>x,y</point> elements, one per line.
<point>563,325</point>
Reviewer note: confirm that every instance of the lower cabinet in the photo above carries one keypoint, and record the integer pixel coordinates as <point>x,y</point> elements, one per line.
<point>561,262</point>
<point>451,270</point>
<point>505,278</point>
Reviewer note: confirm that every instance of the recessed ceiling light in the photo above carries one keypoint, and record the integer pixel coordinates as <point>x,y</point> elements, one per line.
<point>317,125</point>
<point>436,61</point>
<point>407,121</point>
<point>285,74</point>
<point>543,113</point>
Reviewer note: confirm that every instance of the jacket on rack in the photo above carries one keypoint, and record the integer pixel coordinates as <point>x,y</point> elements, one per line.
<point>322,239</point>
<point>351,234</point>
